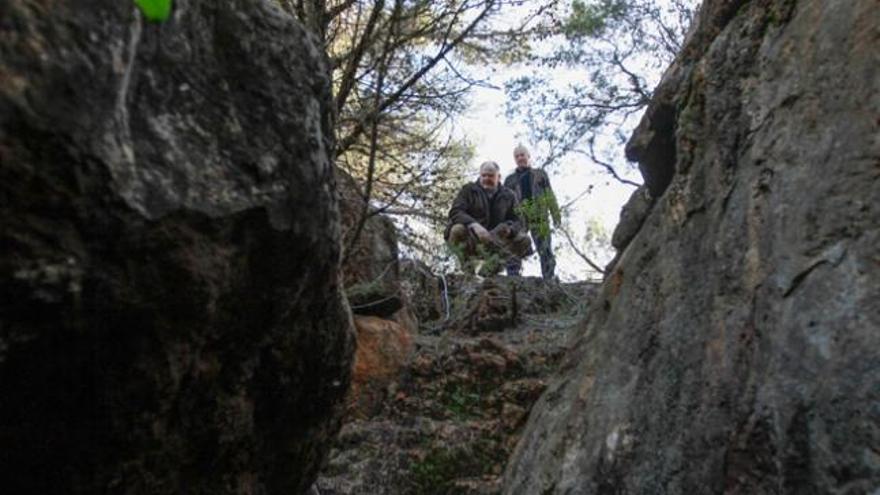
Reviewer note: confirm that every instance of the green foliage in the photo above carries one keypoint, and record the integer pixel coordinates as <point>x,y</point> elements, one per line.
<point>434,473</point>
<point>493,262</point>
<point>155,10</point>
<point>364,289</point>
<point>611,54</point>
<point>489,259</point>
<point>597,241</point>
<point>465,262</point>
<point>462,402</point>
<point>592,19</point>
<point>437,472</point>
<point>535,213</point>
<point>400,80</point>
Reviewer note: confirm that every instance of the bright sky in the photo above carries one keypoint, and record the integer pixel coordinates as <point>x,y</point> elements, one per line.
<point>487,127</point>
<point>495,137</point>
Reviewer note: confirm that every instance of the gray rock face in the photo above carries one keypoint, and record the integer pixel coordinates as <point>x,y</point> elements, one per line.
<point>371,271</point>
<point>734,349</point>
<point>632,216</point>
<point>423,290</point>
<point>448,419</point>
<point>171,319</point>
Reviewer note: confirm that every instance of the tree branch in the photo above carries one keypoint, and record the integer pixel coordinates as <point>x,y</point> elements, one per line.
<point>355,133</point>
<point>580,253</point>
<point>349,75</point>
<point>591,154</point>
<point>374,139</point>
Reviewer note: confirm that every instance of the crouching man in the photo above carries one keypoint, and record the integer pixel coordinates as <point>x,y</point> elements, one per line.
<point>484,226</point>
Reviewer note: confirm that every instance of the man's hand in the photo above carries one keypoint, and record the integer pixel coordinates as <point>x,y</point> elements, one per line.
<point>504,231</point>
<point>482,234</point>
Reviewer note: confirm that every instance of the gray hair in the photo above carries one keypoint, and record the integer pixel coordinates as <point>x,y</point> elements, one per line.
<point>490,166</point>
<point>521,148</point>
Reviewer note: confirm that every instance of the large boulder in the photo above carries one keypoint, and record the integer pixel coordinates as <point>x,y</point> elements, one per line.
<point>171,317</point>
<point>632,216</point>
<point>734,348</point>
<point>383,349</point>
<point>371,270</point>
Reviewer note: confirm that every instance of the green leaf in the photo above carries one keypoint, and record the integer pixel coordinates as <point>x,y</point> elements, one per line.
<point>155,10</point>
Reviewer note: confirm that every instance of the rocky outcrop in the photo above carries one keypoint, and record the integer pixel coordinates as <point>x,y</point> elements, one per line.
<point>423,290</point>
<point>161,188</point>
<point>492,308</point>
<point>383,348</point>
<point>632,216</point>
<point>450,418</point>
<point>734,347</point>
<point>371,271</point>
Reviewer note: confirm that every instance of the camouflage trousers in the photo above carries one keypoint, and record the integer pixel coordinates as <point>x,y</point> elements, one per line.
<point>494,254</point>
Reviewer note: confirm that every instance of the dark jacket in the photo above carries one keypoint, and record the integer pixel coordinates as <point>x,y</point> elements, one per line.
<point>473,205</point>
<point>540,186</point>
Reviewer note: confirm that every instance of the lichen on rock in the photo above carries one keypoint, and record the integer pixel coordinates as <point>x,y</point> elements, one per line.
<point>161,185</point>
<point>733,347</point>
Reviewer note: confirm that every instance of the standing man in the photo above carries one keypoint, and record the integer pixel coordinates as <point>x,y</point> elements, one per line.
<point>533,189</point>
<point>483,221</point>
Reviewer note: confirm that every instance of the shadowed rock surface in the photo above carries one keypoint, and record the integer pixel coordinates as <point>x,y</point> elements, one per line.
<point>447,422</point>
<point>734,348</point>
<point>423,290</point>
<point>161,188</point>
<point>383,348</point>
<point>371,270</point>
<point>632,216</point>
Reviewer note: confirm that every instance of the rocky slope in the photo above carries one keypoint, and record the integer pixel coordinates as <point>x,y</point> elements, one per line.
<point>734,347</point>
<point>160,187</point>
<point>449,419</point>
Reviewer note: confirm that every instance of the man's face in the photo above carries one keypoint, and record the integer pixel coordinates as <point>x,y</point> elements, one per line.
<point>489,179</point>
<point>521,158</point>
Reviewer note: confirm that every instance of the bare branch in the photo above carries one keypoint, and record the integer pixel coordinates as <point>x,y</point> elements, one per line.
<point>334,12</point>
<point>580,253</point>
<point>358,129</point>
<point>591,154</point>
<point>349,74</point>
<point>374,139</point>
